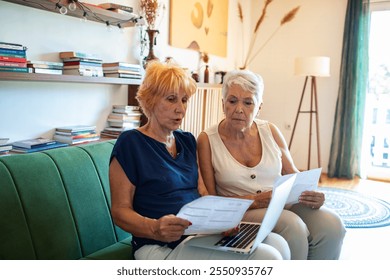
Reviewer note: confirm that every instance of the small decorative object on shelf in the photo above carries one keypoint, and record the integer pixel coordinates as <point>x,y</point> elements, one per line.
<point>152,38</point>
<point>206,74</point>
<point>150,10</point>
<point>195,76</point>
<point>219,77</point>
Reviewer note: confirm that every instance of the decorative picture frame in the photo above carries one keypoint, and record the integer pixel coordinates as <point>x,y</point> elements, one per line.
<point>199,25</point>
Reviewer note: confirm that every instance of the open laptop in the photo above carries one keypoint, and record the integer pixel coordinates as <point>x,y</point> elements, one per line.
<point>251,234</point>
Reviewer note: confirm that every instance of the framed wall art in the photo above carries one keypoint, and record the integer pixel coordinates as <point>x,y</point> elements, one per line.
<point>200,25</point>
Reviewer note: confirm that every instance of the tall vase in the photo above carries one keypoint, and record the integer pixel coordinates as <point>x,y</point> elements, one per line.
<point>152,35</point>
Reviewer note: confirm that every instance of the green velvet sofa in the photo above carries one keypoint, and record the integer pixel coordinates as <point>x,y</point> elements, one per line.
<point>55,204</point>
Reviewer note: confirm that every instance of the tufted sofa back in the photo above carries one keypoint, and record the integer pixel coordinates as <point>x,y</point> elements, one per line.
<point>55,204</point>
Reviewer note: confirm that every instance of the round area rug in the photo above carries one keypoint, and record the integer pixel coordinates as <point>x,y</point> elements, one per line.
<point>357,210</point>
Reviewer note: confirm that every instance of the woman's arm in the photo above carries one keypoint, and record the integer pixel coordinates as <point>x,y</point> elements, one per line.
<point>167,229</point>
<point>288,166</point>
<point>205,165</point>
<point>311,199</point>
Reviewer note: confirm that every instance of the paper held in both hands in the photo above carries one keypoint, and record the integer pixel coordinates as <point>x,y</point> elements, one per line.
<point>215,214</point>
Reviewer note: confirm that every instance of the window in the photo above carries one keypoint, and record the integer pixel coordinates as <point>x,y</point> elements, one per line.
<point>377,116</point>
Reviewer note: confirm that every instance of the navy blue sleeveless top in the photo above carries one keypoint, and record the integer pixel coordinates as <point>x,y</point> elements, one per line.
<point>163,184</point>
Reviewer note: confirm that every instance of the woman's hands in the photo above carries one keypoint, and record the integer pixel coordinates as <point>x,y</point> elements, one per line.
<point>261,200</point>
<point>312,199</point>
<point>169,228</point>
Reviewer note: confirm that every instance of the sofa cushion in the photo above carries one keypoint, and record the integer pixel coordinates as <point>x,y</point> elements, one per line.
<point>97,153</point>
<point>87,199</point>
<point>42,218</point>
<point>15,239</point>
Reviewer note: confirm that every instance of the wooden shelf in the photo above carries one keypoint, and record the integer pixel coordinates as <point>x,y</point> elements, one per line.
<point>93,12</point>
<point>33,77</point>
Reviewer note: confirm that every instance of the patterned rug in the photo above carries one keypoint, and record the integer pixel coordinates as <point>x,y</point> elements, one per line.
<point>357,210</point>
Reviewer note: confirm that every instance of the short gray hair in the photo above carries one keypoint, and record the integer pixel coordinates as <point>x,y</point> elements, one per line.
<point>247,80</point>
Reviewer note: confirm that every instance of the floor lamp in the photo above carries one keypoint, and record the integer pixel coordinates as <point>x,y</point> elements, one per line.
<point>310,67</point>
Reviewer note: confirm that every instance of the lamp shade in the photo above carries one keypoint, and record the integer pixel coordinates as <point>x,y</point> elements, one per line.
<point>317,66</point>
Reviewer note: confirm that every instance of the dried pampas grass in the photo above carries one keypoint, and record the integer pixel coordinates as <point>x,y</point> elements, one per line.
<point>287,18</point>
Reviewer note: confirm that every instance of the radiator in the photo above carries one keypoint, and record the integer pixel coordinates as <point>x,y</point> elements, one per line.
<point>204,109</point>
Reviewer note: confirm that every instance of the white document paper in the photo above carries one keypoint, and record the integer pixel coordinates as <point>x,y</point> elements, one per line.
<point>213,214</point>
<point>305,181</point>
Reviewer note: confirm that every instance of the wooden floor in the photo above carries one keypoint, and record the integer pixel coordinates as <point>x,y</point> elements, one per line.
<point>355,184</point>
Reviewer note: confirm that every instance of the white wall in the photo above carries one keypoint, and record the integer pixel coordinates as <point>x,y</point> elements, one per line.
<point>31,109</point>
<point>316,30</point>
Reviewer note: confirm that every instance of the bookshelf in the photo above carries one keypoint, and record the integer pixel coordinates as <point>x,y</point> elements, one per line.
<point>93,13</point>
<point>31,77</point>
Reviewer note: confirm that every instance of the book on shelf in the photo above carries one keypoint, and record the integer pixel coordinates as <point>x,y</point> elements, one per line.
<point>13,52</point>
<point>76,134</point>
<point>45,64</point>
<point>75,54</point>
<point>83,67</point>
<point>124,124</point>
<point>82,59</point>
<point>44,71</point>
<point>122,118</point>
<point>13,69</point>
<point>122,75</point>
<point>5,148</point>
<point>33,143</point>
<point>121,71</point>
<point>13,64</point>
<point>55,144</point>
<point>114,132</point>
<point>12,55</point>
<point>125,109</point>
<point>109,134</point>
<point>127,115</point>
<point>122,65</point>
<point>113,129</point>
<point>82,63</point>
<point>114,6</point>
<point>83,72</point>
<point>12,46</point>
<point>12,59</point>
<point>73,141</point>
<point>76,128</point>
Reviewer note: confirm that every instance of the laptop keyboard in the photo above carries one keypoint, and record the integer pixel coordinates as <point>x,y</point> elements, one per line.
<point>245,236</point>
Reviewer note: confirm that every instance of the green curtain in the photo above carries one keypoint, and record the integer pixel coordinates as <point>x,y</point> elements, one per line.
<point>345,154</point>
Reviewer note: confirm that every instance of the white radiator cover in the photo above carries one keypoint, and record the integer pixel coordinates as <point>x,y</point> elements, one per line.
<point>204,109</point>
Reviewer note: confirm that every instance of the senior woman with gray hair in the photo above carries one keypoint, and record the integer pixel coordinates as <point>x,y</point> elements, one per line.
<point>154,172</point>
<point>242,156</point>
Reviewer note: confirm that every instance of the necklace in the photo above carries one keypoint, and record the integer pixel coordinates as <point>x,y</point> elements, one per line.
<point>171,150</point>
<point>169,141</point>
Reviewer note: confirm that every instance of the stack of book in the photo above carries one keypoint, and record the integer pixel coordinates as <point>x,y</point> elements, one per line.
<point>13,57</point>
<point>122,118</point>
<point>4,146</point>
<point>82,64</point>
<point>45,67</point>
<point>122,70</point>
<point>35,145</point>
<point>76,134</point>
